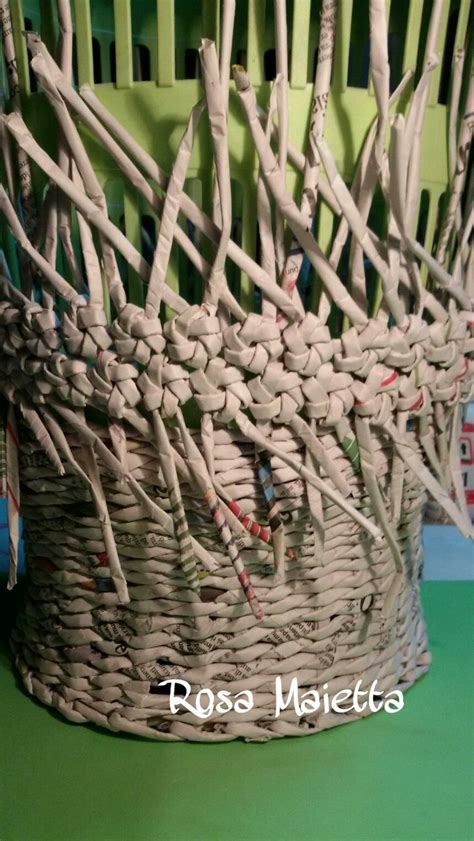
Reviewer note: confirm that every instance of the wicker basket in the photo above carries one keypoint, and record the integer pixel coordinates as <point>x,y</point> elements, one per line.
<point>222,477</point>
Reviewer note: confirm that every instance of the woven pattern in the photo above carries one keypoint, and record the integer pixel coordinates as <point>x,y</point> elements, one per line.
<point>323,622</point>
<point>226,496</point>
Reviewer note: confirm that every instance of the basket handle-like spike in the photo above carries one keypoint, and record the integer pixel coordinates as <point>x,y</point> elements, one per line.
<point>58,215</point>
<point>281,43</point>
<point>169,219</point>
<point>321,90</point>
<point>264,217</point>
<point>218,120</point>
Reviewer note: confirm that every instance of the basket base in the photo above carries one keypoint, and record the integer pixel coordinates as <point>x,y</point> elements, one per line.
<point>82,712</point>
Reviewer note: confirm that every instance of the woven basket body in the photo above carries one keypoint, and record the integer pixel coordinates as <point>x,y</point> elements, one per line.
<point>80,651</point>
<point>222,479</point>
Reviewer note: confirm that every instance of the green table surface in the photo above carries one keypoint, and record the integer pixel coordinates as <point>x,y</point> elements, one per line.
<point>404,776</point>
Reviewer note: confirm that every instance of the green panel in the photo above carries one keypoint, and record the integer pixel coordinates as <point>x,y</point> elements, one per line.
<point>49,24</point>
<point>324,237</point>
<point>430,227</point>
<point>415,14</point>
<point>436,75</point>
<point>462,24</point>
<point>249,240</point>
<point>85,64</point>
<point>388,4</point>
<point>210,20</point>
<point>172,276</point>
<point>341,47</point>
<point>300,43</point>
<point>255,37</point>
<point>166,51</point>
<point>123,43</point>
<point>133,232</point>
<point>190,281</point>
<point>18,25</point>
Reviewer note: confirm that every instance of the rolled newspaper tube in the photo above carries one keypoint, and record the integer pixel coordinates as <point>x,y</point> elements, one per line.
<point>303,431</point>
<point>398,470</point>
<point>26,184</point>
<point>380,78</point>
<point>64,289</point>
<point>198,468</point>
<point>455,462</point>
<point>426,439</point>
<point>293,216</point>
<point>7,159</point>
<point>310,189</point>
<point>103,516</point>
<point>265,475</point>
<point>433,305</point>
<point>13,478</point>
<point>454,101</point>
<point>225,52</point>
<point>216,107</point>
<point>91,258</point>
<point>281,41</point>
<point>365,442</point>
<point>459,178</point>
<point>418,109</point>
<point>264,217</point>
<point>238,521</point>
<point>186,554</point>
<point>299,161</point>
<point>169,219</point>
<point>59,214</point>
<point>268,260</point>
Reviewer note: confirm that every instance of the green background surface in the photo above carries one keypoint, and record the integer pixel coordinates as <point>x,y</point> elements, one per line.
<point>406,776</point>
